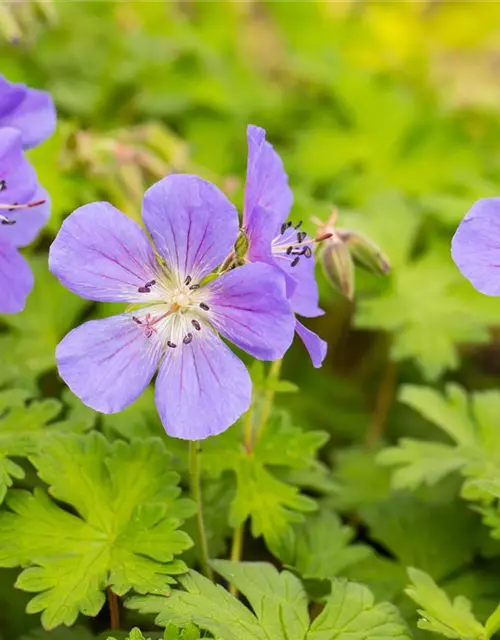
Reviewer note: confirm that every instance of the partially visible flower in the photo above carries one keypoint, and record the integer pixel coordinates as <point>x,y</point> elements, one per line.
<point>30,111</point>
<point>475,247</point>
<point>101,254</point>
<point>23,212</point>
<point>268,200</point>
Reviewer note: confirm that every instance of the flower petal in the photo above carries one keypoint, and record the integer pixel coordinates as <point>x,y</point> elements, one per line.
<point>29,221</point>
<point>248,306</point>
<point>266,183</point>
<point>305,296</point>
<point>18,177</point>
<point>475,247</point>
<point>313,343</point>
<point>108,363</point>
<point>30,111</point>
<point>192,223</point>
<point>202,388</point>
<point>101,254</point>
<point>16,280</point>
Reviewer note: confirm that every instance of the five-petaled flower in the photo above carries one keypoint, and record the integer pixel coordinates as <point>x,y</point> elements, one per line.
<point>30,111</point>
<point>202,387</point>
<point>273,240</point>
<point>475,247</point>
<point>23,212</point>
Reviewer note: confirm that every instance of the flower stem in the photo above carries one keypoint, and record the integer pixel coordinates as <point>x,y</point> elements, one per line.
<point>383,402</point>
<point>114,611</point>
<point>267,402</point>
<point>194,473</point>
<point>237,551</point>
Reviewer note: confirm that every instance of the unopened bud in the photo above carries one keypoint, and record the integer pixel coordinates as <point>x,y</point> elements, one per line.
<point>365,252</point>
<point>338,266</point>
<point>241,246</point>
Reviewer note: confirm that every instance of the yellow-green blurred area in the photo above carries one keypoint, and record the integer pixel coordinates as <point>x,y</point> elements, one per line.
<point>387,110</point>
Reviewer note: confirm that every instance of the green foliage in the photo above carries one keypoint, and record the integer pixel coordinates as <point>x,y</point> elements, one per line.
<point>451,619</point>
<point>321,547</point>
<point>470,423</point>
<point>279,606</point>
<point>124,534</point>
<point>171,633</point>
<point>271,504</point>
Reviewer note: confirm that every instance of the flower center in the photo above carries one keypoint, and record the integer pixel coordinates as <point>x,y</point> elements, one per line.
<point>176,320</point>
<point>291,244</point>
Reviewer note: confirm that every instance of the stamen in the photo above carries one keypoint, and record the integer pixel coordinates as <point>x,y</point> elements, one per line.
<point>196,325</point>
<point>4,220</point>
<point>289,224</point>
<point>147,287</point>
<point>193,287</point>
<point>301,236</point>
<point>295,262</point>
<point>172,345</point>
<point>187,338</point>
<point>16,205</point>
<point>298,225</point>
<point>187,280</point>
<point>3,185</point>
<point>289,250</point>
<point>308,252</point>
<point>204,306</point>
<point>284,227</point>
<point>135,319</point>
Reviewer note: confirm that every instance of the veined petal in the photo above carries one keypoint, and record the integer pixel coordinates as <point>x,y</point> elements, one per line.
<point>313,343</point>
<point>475,247</point>
<point>248,305</point>
<point>191,222</point>
<point>108,363</point>
<point>101,254</point>
<point>30,111</point>
<point>202,388</point>
<point>266,182</point>
<point>28,222</point>
<point>260,232</point>
<point>16,280</point>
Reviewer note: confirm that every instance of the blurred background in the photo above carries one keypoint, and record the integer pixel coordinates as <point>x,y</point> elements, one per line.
<point>388,111</point>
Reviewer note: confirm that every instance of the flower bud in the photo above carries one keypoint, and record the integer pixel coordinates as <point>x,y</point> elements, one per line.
<point>338,266</point>
<point>241,246</point>
<point>365,252</point>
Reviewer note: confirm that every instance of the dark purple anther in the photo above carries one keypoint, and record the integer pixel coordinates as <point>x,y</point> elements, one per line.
<point>295,262</point>
<point>204,306</point>
<point>187,338</point>
<point>196,325</point>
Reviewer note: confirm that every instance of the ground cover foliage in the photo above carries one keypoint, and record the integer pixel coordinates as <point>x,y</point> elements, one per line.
<point>366,504</point>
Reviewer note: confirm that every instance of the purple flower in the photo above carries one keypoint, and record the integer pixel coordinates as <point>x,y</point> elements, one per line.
<point>30,111</point>
<point>268,200</point>
<point>23,211</point>
<point>475,247</point>
<point>202,387</point>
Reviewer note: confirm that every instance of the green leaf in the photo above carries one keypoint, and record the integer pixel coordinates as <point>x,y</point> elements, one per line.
<point>279,606</point>
<point>322,548</point>
<point>452,619</point>
<point>423,534</point>
<point>427,322</point>
<point>351,613</point>
<point>25,424</point>
<point>125,533</point>
<point>271,503</point>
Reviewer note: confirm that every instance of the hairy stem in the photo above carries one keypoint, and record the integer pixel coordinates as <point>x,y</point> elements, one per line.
<point>194,474</point>
<point>267,402</point>
<point>114,611</point>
